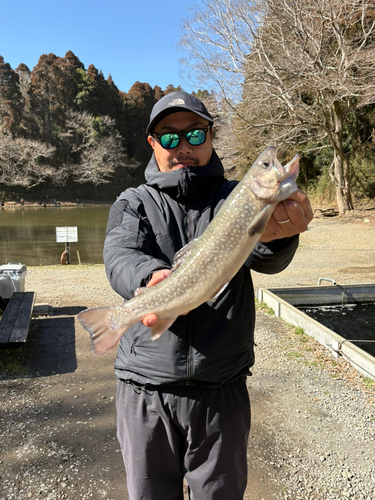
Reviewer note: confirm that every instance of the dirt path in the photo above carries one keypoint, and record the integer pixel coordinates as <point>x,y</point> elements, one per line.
<point>341,248</point>
<point>57,410</point>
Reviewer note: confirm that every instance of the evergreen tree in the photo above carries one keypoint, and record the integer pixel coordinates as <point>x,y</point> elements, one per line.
<point>158,93</point>
<point>171,88</point>
<point>73,60</point>
<point>52,93</point>
<point>11,101</point>
<point>97,91</point>
<point>24,77</point>
<point>138,105</point>
<point>117,106</point>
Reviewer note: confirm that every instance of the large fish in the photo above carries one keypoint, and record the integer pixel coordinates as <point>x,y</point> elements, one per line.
<point>204,266</point>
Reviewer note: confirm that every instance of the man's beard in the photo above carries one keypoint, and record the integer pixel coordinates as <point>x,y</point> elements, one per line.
<point>194,162</point>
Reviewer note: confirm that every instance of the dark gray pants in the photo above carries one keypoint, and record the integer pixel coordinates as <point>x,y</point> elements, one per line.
<point>188,431</point>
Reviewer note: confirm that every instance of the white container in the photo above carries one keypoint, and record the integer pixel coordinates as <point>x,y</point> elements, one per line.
<point>12,279</point>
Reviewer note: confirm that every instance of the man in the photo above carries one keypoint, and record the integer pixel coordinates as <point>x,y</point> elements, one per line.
<point>182,403</point>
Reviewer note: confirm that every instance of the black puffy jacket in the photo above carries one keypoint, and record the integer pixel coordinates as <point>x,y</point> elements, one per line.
<point>212,344</point>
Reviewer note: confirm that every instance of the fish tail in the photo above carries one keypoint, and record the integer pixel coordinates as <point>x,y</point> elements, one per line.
<point>104,334</point>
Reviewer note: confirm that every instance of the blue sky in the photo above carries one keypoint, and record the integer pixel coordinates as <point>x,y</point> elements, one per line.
<point>131,40</point>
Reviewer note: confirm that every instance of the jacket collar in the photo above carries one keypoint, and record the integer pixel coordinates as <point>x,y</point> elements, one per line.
<point>185,184</point>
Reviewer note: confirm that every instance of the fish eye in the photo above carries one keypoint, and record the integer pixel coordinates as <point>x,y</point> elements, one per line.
<point>265,164</point>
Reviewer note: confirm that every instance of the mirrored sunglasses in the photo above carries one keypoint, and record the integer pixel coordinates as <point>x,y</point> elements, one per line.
<point>193,137</point>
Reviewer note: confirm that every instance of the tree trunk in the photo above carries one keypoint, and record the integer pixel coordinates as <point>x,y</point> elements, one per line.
<point>340,163</point>
<point>343,195</point>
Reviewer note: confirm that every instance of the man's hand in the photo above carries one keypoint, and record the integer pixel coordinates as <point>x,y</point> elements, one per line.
<point>159,276</point>
<point>150,319</point>
<point>290,217</point>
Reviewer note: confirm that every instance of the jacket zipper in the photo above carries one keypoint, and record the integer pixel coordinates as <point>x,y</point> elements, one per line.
<point>189,354</point>
<point>189,236</point>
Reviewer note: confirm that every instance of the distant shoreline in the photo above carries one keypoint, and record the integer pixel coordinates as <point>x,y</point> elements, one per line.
<point>49,204</point>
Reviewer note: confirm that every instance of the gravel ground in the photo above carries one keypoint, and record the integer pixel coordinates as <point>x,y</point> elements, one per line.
<point>313,425</point>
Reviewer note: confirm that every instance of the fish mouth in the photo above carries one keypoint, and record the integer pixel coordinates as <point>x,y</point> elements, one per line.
<point>291,170</point>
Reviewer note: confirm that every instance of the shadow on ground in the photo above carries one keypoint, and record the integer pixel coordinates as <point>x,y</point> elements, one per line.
<point>51,343</point>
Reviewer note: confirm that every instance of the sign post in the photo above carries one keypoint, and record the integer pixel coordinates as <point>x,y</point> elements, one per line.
<point>66,234</point>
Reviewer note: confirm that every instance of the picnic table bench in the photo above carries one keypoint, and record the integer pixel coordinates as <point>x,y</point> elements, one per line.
<point>15,322</point>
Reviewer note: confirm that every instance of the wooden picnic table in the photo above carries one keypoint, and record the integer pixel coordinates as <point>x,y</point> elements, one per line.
<point>15,321</point>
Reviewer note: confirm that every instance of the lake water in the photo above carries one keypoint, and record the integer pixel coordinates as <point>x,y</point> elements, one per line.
<point>28,234</point>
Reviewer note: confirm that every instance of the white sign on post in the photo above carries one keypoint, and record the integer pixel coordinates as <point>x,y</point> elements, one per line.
<point>66,234</point>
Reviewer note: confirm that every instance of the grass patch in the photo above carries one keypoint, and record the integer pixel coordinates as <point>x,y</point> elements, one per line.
<point>300,332</point>
<point>13,363</point>
<point>369,383</point>
<point>315,363</point>
<point>262,306</point>
<point>294,354</point>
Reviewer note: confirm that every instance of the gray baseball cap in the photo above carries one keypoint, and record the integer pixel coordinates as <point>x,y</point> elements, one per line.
<point>174,102</point>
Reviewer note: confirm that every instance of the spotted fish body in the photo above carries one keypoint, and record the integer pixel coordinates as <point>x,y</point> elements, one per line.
<point>204,267</point>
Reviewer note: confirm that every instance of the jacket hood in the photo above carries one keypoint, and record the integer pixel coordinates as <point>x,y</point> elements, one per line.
<point>189,183</point>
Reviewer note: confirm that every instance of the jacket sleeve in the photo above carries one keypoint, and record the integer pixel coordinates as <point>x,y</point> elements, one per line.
<point>273,257</point>
<point>129,248</point>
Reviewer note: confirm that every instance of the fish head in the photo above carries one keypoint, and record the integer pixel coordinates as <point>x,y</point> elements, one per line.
<point>269,180</point>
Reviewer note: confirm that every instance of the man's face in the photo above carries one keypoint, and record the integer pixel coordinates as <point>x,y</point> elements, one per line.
<point>184,154</point>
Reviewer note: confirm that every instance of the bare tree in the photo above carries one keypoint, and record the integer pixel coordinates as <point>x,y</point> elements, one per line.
<point>217,39</point>
<point>225,139</point>
<point>304,65</point>
<point>98,162</point>
<point>25,162</point>
<point>91,145</point>
<point>95,146</point>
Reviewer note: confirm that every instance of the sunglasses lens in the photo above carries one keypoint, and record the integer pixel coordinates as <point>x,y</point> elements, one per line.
<point>196,137</point>
<point>169,141</point>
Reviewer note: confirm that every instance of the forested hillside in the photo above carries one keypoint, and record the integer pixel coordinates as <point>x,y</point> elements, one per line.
<point>68,132</point>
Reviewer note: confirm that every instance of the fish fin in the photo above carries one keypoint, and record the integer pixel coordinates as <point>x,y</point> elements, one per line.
<point>160,327</point>
<point>259,222</point>
<point>98,322</point>
<point>216,296</point>
<point>182,253</point>
<point>141,290</point>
